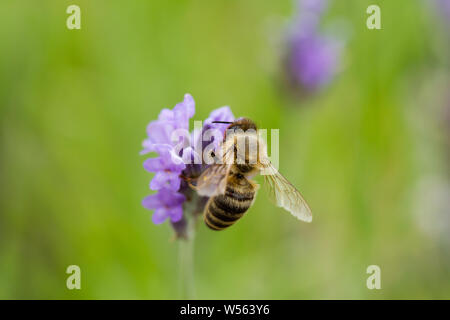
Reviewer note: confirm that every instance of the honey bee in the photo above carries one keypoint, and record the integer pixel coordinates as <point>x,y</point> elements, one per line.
<point>230,187</point>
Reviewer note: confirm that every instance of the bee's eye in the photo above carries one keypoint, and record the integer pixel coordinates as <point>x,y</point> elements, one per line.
<point>213,154</point>
<point>239,175</point>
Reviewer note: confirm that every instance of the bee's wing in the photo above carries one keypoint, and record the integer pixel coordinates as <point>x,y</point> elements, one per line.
<point>213,180</point>
<point>285,195</point>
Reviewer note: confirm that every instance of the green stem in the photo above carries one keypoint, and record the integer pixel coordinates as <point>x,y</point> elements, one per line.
<point>186,263</point>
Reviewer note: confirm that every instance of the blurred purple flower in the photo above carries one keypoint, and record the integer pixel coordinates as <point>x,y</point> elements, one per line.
<point>170,165</point>
<point>313,61</point>
<point>312,6</point>
<point>312,58</point>
<point>446,119</point>
<point>444,8</point>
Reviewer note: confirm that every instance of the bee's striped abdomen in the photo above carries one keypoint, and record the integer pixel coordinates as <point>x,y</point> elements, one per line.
<point>223,210</point>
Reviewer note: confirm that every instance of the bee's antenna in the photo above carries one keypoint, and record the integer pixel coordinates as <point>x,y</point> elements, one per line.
<point>227,122</point>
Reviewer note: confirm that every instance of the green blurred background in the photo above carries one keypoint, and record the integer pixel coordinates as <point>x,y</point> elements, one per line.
<point>74,105</point>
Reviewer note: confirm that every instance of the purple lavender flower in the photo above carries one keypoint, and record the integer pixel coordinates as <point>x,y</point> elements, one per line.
<point>444,9</point>
<point>446,119</point>
<point>312,57</point>
<point>312,6</point>
<point>159,131</point>
<point>174,168</point>
<point>169,165</point>
<point>221,114</point>
<point>313,61</point>
<point>166,204</point>
<point>167,169</point>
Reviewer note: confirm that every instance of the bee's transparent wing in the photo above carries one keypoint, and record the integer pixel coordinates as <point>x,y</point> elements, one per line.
<point>213,180</point>
<point>285,195</point>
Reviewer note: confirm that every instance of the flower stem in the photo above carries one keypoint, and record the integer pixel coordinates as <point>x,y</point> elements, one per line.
<point>186,263</point>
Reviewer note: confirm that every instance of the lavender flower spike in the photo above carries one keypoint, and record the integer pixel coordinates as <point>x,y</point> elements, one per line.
<point>312,57</point>
<point>313,61</point>
<point>173,168</point>
<point>168,166</point>
<point>167,204</point>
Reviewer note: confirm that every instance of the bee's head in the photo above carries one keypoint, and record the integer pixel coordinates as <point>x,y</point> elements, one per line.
<point>241,124</point>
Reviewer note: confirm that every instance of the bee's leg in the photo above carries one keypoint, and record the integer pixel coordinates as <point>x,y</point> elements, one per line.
<point>192,186</point>
<point>189,181</point>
